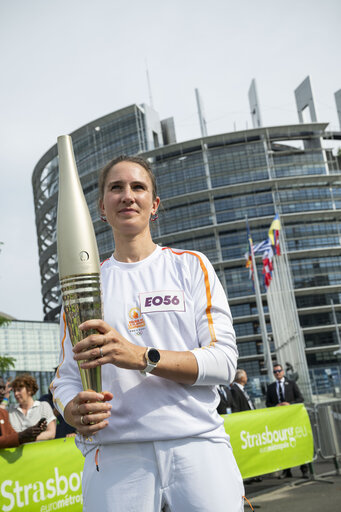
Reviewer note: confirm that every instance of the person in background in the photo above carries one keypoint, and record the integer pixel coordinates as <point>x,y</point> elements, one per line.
<point>9,438</point>
<point>280,393</point>
<point>225,404</point>
<point>283,391</point>
<point>241,400</point>
<point>29,411</point>
<point>4,401</point>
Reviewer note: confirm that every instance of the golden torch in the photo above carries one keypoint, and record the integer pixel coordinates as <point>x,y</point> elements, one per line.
<point>78,259</point>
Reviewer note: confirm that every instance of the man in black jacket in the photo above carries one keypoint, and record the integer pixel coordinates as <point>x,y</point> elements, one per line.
<point>240,398</point>
<point>284,392</point>
<point>225,404</point>
<point>241,401</point>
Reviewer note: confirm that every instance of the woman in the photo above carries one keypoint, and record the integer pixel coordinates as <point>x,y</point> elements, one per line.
<point>166,342</point>
<point>9,438</point>
<point>29,412</point>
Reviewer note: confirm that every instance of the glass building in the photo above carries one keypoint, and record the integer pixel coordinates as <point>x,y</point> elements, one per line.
<point>34,346</point>
<point>208,186</point>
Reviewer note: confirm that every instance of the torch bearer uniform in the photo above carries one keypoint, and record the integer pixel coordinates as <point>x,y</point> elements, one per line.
<point>165,443</point>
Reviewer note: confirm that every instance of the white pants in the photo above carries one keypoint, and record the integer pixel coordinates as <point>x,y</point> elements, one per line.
<point>186,475</point>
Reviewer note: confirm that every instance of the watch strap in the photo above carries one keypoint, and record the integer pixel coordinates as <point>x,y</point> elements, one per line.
<point>150,365</point>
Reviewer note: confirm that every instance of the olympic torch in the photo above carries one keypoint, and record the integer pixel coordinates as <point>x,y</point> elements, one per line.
<point>78,259</point>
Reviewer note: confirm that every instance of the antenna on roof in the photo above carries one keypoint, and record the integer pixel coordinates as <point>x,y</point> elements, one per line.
<point>149,86</point>
<point>202,119</point>
<point>254,105</point>
<point>338,104</point>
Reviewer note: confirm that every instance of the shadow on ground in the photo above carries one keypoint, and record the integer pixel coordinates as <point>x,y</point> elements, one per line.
<point>295,494</point>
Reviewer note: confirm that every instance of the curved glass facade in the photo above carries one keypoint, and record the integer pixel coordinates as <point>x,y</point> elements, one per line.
<point>208,186</point>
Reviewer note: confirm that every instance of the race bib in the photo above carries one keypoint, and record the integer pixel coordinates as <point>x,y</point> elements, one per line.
<point>165,300</point>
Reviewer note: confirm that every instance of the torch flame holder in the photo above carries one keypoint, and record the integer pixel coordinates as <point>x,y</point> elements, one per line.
<point>81,296</point>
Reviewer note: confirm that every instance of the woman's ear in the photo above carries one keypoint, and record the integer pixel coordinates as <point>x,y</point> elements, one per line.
<point>101,207</point>
<point>156,204</point>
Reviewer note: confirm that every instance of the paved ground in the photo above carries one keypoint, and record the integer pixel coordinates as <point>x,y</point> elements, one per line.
<point>296,494</point>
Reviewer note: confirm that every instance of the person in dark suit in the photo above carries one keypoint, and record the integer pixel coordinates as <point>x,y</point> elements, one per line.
<point>225,404</point>
<point>284,392</point>
<point>241,401</point>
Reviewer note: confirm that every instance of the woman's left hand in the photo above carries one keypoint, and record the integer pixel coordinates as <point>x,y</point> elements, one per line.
<point>108,346</point>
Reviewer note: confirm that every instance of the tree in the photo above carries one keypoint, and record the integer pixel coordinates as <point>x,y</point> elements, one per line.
<point>6,362</point>
<point>4,321</point>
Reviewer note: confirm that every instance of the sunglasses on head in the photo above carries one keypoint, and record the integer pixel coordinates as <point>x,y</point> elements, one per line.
<point>278,371</point>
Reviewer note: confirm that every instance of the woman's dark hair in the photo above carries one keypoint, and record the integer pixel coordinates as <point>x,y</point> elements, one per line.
<point>124,158</point>
<point>25,381</point>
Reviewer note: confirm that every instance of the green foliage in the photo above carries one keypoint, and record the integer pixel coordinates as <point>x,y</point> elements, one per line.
<point>6,363</point>
<point>4,321</point>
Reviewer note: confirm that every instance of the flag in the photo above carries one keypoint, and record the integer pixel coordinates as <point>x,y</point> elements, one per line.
<point>265,248</point>
<point>248,254</point>
<point>274,234</point>
<point>262,246</point>
<point>248,264</point>
<point>267,266</point>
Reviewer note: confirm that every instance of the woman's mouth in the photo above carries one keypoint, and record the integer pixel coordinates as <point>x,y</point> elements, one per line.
<point>127,210</point>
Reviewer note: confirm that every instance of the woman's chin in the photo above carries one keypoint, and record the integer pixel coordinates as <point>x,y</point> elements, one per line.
<point>129,227</point>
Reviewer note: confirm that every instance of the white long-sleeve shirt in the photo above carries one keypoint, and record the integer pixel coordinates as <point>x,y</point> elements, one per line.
<point>172,300</point>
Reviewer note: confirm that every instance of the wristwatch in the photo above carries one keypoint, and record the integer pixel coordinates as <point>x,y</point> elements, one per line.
<point>152,356</point>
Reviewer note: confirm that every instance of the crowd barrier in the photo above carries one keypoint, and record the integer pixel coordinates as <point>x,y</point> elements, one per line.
<point>325,420</point>
<point>46,476</point>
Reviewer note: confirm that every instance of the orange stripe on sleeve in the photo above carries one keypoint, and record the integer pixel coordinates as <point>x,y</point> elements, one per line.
<point>208,291</point>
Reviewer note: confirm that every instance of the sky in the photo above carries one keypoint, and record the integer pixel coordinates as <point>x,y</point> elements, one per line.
<point>65,63</point>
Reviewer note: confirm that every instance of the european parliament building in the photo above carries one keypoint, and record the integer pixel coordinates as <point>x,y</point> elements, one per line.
<point>208,186</point>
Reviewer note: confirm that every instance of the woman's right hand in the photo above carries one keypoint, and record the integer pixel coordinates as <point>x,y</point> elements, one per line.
<point>89,411</point>
<point>30,434</point>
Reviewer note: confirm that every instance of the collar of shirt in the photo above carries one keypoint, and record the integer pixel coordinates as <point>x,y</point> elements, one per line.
<point>35,404</point>
<point>240,386</point>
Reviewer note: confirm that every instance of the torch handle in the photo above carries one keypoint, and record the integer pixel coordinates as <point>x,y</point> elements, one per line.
<point>82,301</point>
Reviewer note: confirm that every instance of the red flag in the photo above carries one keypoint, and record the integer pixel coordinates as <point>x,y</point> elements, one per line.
<point>267,271</point>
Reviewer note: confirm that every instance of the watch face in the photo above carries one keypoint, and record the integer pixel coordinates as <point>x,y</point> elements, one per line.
<point>154,355</point>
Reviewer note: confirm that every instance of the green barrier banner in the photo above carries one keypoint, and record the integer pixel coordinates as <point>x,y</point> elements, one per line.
<point>268,440</point>
<point>42,477</point>
<point>46,476</point>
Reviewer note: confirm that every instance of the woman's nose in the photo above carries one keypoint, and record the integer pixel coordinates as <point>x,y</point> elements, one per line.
<point>127,196</point>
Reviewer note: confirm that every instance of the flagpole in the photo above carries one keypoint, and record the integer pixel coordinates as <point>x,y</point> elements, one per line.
<point>335,323</point>
<point>264,334</point>
<point>288,336</point>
